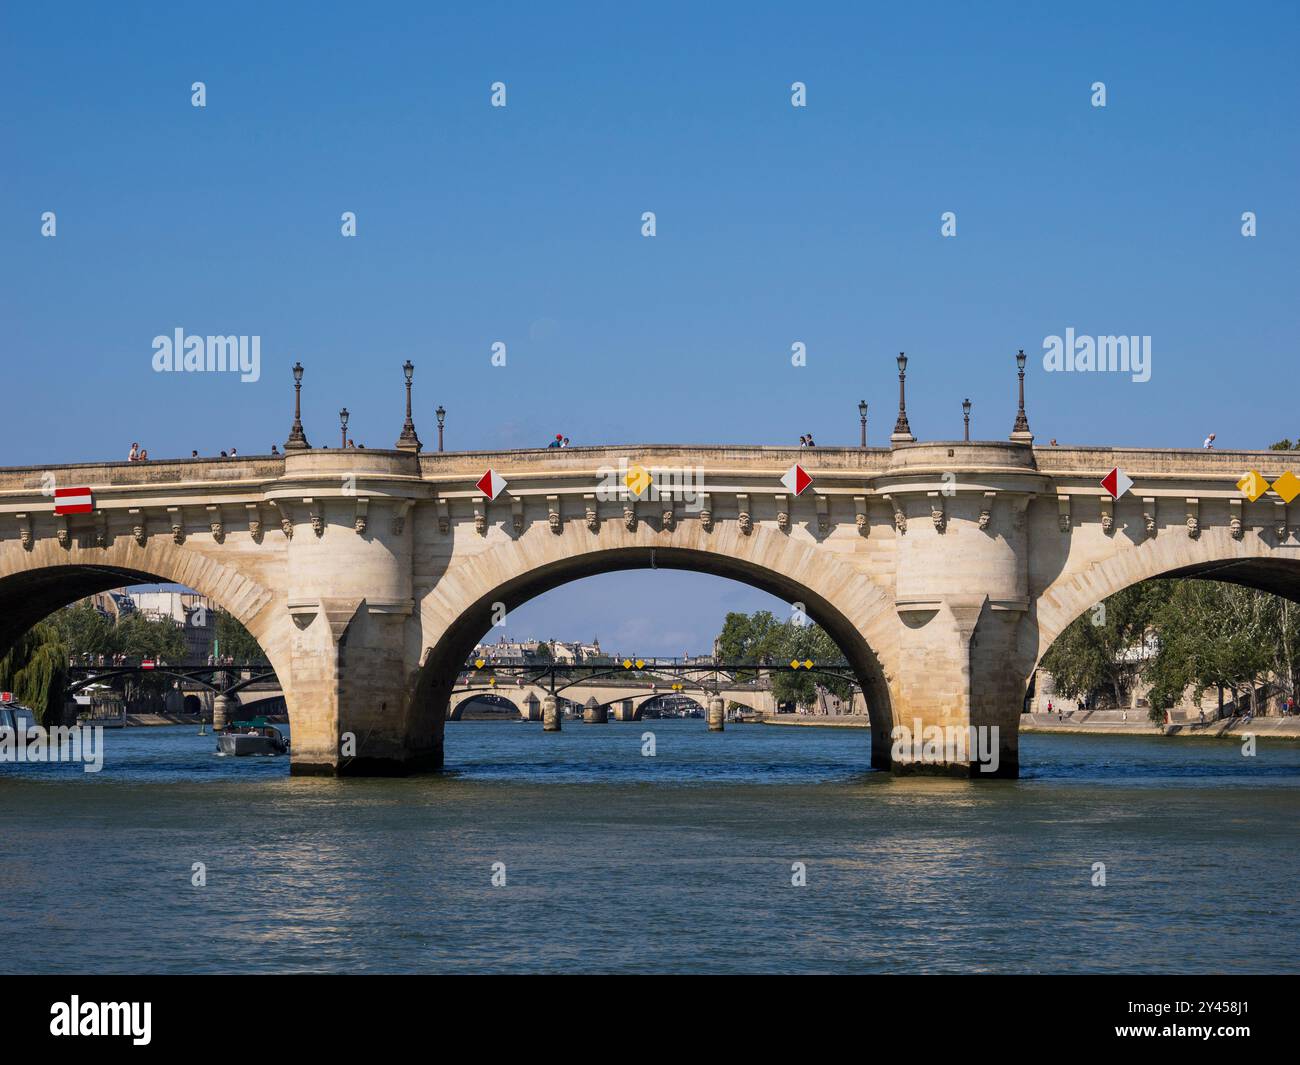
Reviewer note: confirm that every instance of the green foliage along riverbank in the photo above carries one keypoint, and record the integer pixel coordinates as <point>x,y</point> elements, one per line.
<point>1177,635</point>
<point>85,630</point>
<point>35,671</point>
<point>759,637</point>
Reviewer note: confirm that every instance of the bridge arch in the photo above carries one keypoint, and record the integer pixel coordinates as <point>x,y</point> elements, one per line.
<point>693,693</point>
<point>855,613</point>
<point>462,698</point>
<point>1214,555</point>
<point>38,580</point>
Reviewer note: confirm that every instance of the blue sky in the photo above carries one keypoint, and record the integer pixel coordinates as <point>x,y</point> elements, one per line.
<point>523,224</point>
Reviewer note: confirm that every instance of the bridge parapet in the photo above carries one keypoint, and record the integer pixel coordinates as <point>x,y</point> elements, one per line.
<point>179,472</point>
<point>1161,463</point>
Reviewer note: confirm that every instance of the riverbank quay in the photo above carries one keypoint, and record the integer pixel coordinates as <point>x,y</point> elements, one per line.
<point>150,720</point>
<point>1113,723</point>
<point>1091,723</point>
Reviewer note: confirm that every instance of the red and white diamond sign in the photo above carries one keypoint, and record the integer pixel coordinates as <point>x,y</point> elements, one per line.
<point>491,484</point>
<point>73,501</point>
<point>1117,482</point>
<point>796,479</point>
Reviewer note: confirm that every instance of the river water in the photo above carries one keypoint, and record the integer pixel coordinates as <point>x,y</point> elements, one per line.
<point>681,862</point>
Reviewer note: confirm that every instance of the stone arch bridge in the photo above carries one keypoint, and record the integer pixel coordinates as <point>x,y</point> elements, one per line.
<point>942,570</point>
<point>612,696</point>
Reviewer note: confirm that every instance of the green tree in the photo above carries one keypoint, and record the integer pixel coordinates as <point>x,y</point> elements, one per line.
<point>803,643</point>
<point>83,630</point>
<point>235,640</point>
<point>759,637</point>
<point>1218,635</point>
<point>1180,636</point>
<point>1285,445</point>
<point>144,637</point>
<point>35,670</point>
<point>1105,647</point>
<point>747,637</point>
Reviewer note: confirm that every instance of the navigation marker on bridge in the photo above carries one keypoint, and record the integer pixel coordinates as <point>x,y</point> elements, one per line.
<point>73,501</point>
<point>1117,482</point>
<point>637,480</point>
<point>796,479</point>
<point>491,484</point>
<point>1253,485</point>
<point>1287,486</point>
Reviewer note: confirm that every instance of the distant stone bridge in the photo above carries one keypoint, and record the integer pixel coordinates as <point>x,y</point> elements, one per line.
<point>621,701</point>
<point>942,570</point>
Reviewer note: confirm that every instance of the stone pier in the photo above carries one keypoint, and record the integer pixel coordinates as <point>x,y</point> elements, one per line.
<point>225,709</point>
<point>551,717</point>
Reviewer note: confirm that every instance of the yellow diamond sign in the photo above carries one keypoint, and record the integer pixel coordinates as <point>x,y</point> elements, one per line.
<point>640,662</point>
<point>478,663</point>
<point>637,479</point>
<point>627,663</point>
<point>1253,485</point>
<point>1287,486</point>
<point>794,663</point>
<point>491,681</point>
<point>807,663</point>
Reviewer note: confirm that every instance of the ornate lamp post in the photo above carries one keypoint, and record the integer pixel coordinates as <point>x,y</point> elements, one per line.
<point>343,426</point>
<point>297,438</point>
<point>862,417</point>
<point>902,433</point>
<point>440,414</point>
<point>965,414</point>
<point>1021,432</point>
<point>408,441</point>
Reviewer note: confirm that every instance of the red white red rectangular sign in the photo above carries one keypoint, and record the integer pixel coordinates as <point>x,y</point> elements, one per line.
<point>73,501</point>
